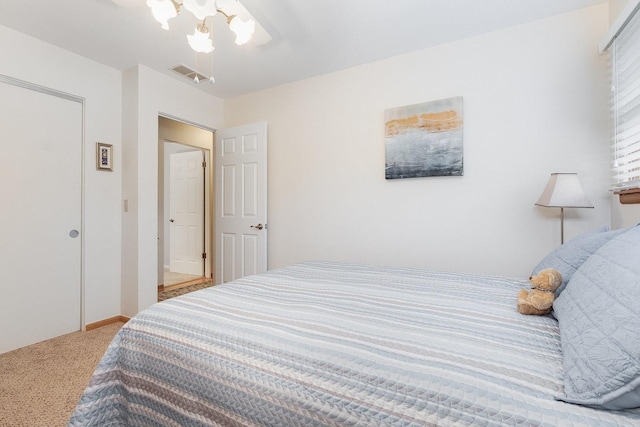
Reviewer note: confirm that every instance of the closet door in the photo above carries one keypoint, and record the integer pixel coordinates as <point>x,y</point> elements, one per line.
<point>41,211</point>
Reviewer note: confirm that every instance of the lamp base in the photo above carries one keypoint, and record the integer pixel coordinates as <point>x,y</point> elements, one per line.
<point>562,226</point>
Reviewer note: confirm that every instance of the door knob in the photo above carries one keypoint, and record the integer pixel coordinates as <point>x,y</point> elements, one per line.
<point>171,220</point>
<point>259,226</point>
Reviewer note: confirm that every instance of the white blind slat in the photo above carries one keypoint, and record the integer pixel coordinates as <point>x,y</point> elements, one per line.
<point>630,162</point>
<point>628,134</point>
<point>627,96</point>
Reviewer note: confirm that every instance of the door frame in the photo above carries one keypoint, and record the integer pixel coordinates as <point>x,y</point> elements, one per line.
<point>209,263</point>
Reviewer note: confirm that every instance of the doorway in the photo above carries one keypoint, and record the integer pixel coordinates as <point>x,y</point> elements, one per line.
<point>185,253</point>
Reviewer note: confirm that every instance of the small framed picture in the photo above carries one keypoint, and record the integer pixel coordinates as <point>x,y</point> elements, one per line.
<point>104,157</point>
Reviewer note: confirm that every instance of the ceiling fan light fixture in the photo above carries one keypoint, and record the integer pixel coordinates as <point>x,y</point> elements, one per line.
<point>242,29</point>
<point>163,10</point>
<point>239,21</point>
<point>200,40</point>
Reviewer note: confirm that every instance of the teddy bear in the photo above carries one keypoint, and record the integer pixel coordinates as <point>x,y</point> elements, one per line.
<point>539,300</point>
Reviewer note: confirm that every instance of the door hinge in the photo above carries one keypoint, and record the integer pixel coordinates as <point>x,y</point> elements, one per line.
<point>204,255</point>
<point>204,164</point>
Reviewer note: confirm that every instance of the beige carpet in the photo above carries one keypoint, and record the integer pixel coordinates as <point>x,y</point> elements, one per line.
<point>181,291</point>
<point>171,278</point>
<point>40,384</point>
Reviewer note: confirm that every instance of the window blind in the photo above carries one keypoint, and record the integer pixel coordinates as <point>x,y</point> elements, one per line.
<point>625,67</point>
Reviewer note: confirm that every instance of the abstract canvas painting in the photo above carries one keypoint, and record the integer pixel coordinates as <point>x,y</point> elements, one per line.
<point>424,139</point>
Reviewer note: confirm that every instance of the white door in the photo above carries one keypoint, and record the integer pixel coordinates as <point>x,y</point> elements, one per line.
<point>41,197</point>
<point>241,201</point>
<point>186,229</point>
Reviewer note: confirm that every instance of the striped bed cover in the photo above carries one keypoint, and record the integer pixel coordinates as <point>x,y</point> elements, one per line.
<point>327,344</point>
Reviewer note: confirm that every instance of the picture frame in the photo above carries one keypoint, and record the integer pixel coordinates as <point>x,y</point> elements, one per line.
<point>104,157</point>
<point>425,140</point>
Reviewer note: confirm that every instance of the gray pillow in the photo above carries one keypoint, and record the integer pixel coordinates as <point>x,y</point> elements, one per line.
<point>599,318</point>
<point>568,257</point>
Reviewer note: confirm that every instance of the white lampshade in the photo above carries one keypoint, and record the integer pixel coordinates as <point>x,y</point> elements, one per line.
<point>200,42</point>
<point>564,191</point>
<point>162,11</point>
<point>242,29</point>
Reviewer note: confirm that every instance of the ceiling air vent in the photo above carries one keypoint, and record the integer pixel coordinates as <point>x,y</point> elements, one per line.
<point>189,73</point>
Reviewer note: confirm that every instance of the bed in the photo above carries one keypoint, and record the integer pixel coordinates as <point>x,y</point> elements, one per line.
<point>335,344</point>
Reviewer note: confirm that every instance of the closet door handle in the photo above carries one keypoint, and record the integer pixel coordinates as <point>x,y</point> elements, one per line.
<point>259,226</point>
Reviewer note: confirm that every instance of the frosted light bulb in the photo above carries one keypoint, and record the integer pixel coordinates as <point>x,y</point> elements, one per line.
<point>162,11</point>
<point>200,41</point>
<point>243,30</point>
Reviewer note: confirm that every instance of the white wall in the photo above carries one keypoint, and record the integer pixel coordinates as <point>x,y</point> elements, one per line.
<point>535,102</point>
<point>146,94</point>
<point>40,63</point>
<point>615,7</point>
<point>624,215</point>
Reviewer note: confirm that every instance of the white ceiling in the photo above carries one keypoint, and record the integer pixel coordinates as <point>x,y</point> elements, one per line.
<point>309,37</point>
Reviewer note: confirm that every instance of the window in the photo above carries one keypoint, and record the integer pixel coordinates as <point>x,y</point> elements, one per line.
<point>625,105</point>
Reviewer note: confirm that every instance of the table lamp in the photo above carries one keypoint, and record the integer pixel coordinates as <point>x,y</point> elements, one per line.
<point>563,191</point>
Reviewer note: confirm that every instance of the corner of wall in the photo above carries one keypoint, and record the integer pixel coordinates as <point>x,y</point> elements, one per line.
<point>129,275</point>
<point>623,215</point>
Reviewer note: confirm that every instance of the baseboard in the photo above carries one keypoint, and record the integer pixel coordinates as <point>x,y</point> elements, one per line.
<point>105,322</point>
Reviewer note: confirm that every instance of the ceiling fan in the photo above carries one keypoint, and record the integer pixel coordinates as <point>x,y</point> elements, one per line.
<point>239,19</point>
